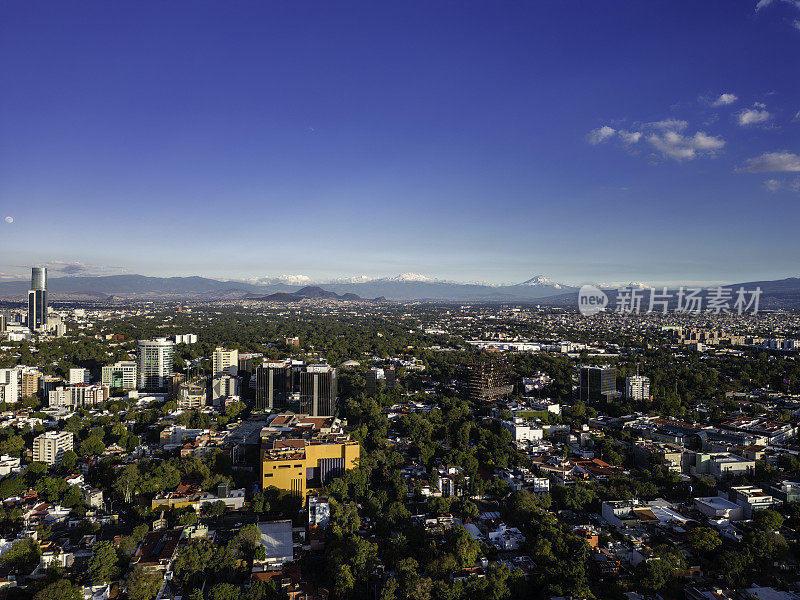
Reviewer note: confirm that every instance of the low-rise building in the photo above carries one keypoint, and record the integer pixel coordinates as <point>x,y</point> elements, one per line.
<point>716,507</point>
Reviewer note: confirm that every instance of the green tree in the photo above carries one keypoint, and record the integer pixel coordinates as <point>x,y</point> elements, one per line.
<point>225,591</point>
<point>63,589</point>
<point>343,581</point>
<point>103,563</point>
<point>142,584</point>
<point>704,539</point>
<point>658,571</point>
<point>464,547</point>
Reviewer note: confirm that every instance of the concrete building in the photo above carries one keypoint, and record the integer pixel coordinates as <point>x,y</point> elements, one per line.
<point>192,394</point>
<point>50,446</point>
<point>78,396</point>
<point>318,390</point>
<point>523,431</point>
<point>785,491</point>
<point>299,466</point>
<point>597,384</point>
<point>155,363</point>
<point>224,386</point>
<point>120,375</point>
<point>30,379</point>
<point>273,383</point>
<point>319,512</point>
<point>647,453</point>
<point>186,338</point>
<point>9,386</point>
<point>276,538</point>
<point>79,376</point>
<point>637,388</point>
<point>225,361</point>
<point>9,464</point>
<point>716,507</point>
<point>720,464</point>
<point>751,499</point>
<point>37,300</point>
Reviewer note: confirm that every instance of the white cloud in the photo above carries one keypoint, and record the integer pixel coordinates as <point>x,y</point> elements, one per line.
<point>765,3</point>
<point>796,23</point>
<point>777,162</point>
<point>669,125</point>
<point>680,147</point>
<point>725,99</point>
<point>630,137</point>
<point>600,135</point>
<point>773,185</point>
<point>752,116</point>
<point>82,269</point>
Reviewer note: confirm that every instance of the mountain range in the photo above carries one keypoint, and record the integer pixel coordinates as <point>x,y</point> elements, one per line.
<point>407,286</point>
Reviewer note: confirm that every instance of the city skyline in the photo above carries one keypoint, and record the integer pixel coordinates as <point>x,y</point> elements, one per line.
<point>463,143</point>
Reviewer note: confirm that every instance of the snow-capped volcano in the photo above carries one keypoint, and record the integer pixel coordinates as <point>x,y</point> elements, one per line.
<point>542,281</point>
<point>417,277</point>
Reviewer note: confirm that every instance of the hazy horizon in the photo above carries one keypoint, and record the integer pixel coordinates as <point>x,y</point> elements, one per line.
<point>657,142</point>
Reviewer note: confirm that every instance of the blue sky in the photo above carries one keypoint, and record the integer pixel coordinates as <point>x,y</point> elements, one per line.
<point>587,141</point>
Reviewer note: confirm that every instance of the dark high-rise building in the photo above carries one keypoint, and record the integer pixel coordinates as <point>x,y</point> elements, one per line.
<point>273,384</point>
<point>318,391</point>
<point>37,299</point>
<point>372,381</point>
<point>597,384</point>
<point>489,378</point>
<point>390,377</point>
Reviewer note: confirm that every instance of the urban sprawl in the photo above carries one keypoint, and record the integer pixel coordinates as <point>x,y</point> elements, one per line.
<point>330,449</point>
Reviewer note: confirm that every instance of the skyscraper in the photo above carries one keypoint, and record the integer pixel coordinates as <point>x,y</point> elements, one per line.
<point>225,361</point>
<point>155,363</point>
<point>318,391</point>
<point>37,299</point>
<point>273,384</point>
<point>597,384</point>
<point>489,378</point>
<point>637,387</point>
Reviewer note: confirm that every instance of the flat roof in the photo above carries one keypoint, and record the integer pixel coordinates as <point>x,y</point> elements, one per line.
<point>276,537</point>
<point>717,502</point>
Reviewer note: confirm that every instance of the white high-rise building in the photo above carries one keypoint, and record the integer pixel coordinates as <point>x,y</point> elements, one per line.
<point>9,385</point>
<point>225,361</point>
<point>121,374</point>
<point>637,387</point>
<point>78,376</point>
<point>224,386</point>
<point>155,363</point>
<point>50,446</point>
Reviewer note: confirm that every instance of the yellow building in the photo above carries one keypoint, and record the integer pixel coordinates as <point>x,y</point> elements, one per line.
<point>301,466</point>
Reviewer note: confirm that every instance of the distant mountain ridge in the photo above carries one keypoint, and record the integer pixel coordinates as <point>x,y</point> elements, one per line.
<point>312,293</point>
<point>407,286</point>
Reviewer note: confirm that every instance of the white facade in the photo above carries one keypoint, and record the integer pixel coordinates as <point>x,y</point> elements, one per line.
<point>121,374</point>
<point>186,338</point>
<point>521,431</point>
<point>637,387</point>
<point>77,396</point>
<point>225,361</point>
<point>319,512</point>
<point>224,386</point>
<point>50,446</point>
<point>9,386</point>
<point>155,363</point>
<point>9,464</point>
<point>78,376</point>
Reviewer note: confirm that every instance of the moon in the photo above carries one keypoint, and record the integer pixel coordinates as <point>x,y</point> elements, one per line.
<point>9,219</point>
